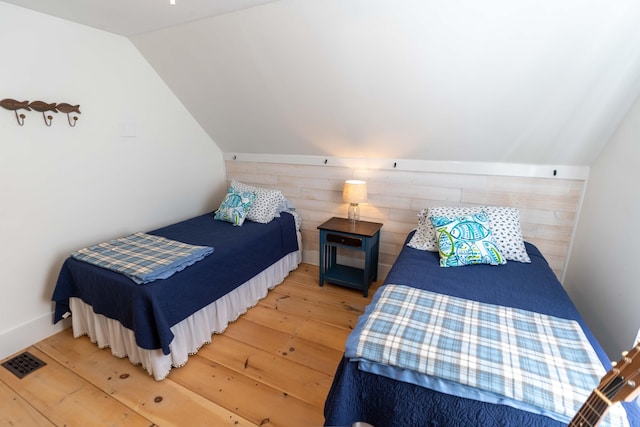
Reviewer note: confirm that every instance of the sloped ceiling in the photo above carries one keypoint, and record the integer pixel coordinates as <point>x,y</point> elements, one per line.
<point>127,17</point>
<point>527,81</point>
<point>524,81</point>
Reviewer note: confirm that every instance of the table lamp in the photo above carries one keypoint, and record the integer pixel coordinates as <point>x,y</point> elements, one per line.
<point>354,192</point>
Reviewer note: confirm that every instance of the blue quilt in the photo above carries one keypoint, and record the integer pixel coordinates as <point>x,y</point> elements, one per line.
<point>520,356</point>
<point>151,310</point>
<point>143,257</point>
<point>384,400</point>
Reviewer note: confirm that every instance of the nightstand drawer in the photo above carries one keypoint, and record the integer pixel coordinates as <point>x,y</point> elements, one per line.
<point>352,242</point>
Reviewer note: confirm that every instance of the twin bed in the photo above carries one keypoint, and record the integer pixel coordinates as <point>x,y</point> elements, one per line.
<point>384,377</point>
<point>159,324</point>
<point>405,372</point>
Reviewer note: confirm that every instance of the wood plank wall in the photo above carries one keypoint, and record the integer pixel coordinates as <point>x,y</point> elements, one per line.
<point>548,206</point>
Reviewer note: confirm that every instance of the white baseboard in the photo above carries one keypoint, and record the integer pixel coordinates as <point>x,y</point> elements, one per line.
<point>29,333</point>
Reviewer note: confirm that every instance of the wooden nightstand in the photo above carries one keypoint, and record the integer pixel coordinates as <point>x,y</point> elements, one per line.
<point>362,236</point>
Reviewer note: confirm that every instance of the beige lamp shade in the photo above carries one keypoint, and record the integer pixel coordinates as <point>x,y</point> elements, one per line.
<point>354,191</point>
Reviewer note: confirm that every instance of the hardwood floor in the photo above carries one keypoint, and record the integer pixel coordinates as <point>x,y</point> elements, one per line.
<point>271,367</point>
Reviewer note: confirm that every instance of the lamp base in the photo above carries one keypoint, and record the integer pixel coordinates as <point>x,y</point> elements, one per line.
<point>353,213</point>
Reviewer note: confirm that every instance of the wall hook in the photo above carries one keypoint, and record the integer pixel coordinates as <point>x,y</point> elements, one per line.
<point>20,118</point>
<point>44,107</point>
<point>75,120</point>
<point>13,105</point>
<point>68,109</point>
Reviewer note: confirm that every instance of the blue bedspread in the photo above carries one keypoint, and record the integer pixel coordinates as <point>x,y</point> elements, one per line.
<point>150,310</point>
<point>361,396</point>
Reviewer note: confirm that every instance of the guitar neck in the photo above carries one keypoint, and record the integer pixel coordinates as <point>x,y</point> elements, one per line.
<point>592,411</point>
<point>621,383</point>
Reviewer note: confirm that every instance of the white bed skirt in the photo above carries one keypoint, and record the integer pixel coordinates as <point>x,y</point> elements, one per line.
<point>189,334</point>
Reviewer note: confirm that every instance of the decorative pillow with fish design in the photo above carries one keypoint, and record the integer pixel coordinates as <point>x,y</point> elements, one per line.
<point>267,203</point>
<point>235,206</point>
<point>505,227</point>
<point>466,240</point>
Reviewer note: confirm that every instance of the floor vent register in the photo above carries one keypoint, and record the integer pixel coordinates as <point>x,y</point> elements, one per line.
<point>23,364</point>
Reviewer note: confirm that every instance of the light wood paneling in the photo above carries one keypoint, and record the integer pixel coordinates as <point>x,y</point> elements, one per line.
<point>548,206</point>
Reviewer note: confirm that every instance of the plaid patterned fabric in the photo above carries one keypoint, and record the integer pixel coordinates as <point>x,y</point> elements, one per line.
<point>541,360</point>
<point>143,257</point>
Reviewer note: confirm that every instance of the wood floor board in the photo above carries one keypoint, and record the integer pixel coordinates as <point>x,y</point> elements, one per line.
<point>66,398</point>
<point>16,411</point>
<point>321,333</point>
<point>163,402</point>
<point>276,371</point>
<point>271,367</point>
<point>289,347</point>
<point>249,398</point>
<point>318,297</point>
<point>338,315</point>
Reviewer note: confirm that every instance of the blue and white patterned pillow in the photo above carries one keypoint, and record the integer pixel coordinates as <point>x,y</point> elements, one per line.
<point>466,240</point>
<point>235,206</point>
<point>266,205</point>
<point>505,227</point>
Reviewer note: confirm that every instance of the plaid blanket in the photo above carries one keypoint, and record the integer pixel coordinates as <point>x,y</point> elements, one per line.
<point>541,360</point>
<point>143,257</point>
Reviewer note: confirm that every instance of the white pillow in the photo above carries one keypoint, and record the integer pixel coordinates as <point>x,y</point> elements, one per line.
<point>265,206</point>
<point>505,227</point>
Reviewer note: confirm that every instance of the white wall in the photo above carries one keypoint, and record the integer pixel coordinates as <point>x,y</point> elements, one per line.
<point>62,188</point>
<point>602,277</point>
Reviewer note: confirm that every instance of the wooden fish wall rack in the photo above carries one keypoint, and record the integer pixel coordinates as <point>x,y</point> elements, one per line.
<point>43,107</point>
